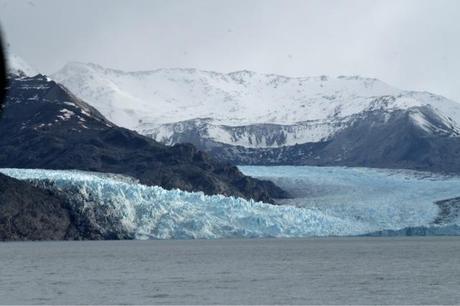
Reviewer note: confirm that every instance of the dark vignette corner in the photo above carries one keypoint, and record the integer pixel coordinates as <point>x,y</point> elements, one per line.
<point>3,80</point>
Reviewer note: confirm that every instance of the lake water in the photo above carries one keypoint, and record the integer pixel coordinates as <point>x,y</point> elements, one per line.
<point>354,270</point>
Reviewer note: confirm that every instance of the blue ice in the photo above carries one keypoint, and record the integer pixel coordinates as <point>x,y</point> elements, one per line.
<point>329,201</point>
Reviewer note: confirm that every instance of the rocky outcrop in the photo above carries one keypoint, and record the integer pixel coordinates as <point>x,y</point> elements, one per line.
<point>28,213</point>
<point>31,213</point>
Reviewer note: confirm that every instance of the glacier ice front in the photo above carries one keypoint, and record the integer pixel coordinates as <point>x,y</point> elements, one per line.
<point>155,213</point>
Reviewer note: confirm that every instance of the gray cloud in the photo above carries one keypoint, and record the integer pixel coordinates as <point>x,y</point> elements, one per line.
<point>413,44</point>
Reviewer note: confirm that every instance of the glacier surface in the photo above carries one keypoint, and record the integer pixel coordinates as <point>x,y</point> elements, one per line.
<point>376,198</point>
<point>329,201</point>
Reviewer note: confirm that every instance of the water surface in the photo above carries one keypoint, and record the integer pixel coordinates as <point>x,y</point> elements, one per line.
<point>359,270</point>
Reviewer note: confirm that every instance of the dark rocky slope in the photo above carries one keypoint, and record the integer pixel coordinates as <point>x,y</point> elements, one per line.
<point>45,126</point>
<point>2,75</point>
<point>29,213</point>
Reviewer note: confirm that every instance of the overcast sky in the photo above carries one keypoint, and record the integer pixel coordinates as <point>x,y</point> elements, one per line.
<point>412,44</point>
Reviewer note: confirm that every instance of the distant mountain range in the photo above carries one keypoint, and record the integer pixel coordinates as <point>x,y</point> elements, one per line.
<point>251,118</point>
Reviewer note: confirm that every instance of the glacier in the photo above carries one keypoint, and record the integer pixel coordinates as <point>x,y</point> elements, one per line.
<point>328,202</point>
<point>378,198</point>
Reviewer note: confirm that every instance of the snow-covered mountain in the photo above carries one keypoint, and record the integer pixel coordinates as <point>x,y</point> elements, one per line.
<point>245,112</point>
<point>18,66</point>
<point>229,108</point>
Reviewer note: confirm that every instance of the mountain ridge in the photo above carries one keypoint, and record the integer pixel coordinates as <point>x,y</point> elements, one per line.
<point>164,96</point>
<point>250,118</point>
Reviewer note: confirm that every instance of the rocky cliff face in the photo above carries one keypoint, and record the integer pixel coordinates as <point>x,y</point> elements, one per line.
<point>28,213</point>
